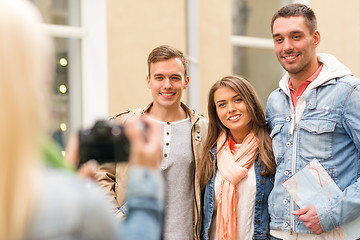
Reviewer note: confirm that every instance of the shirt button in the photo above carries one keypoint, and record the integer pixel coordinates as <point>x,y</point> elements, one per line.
<point>285,201</point>
<point>261,181</point>
<point>167,144</point>
<point>167,133</point>
<point>286,172</point>
<point>288,144</point>
<point>168,123</point>
<point>288,119</point>
<point>165,155</point>
<point>259,201</point>
<point>285,224</point>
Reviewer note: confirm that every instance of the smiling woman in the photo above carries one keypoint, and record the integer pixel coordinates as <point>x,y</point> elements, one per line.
<point>233,113</point>
<point>238,150</point>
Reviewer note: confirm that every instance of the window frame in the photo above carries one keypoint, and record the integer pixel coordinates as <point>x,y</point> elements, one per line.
<point>91,65</point>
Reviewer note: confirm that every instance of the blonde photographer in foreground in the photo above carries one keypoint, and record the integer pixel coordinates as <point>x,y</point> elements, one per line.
<point>40,202</point>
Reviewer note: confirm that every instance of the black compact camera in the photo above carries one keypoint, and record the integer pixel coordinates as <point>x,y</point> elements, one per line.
<point>104,142</point>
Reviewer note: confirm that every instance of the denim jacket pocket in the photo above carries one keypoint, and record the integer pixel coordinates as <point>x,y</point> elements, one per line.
<point>316,139</point>
<point>277,142</point>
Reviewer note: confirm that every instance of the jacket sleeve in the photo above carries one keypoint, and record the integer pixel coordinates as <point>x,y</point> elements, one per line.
<point>345,207</point>
<point>106,176</point>
<point>98,219</point>
<point>145,200</point>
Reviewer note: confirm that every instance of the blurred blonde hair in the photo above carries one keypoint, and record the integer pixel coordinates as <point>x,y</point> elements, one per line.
<point>24,54</point>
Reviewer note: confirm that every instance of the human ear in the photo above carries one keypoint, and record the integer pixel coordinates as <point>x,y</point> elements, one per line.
<point>316,39</point>
<point>186,82</point>
<point>148,81</point>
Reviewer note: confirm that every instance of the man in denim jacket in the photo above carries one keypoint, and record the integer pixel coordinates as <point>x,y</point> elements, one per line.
<point>313,115</point>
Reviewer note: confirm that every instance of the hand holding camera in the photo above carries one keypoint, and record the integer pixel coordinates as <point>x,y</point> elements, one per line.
<point>111,143</point>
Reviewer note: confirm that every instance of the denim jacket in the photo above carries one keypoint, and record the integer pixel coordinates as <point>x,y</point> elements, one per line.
<point>261,216</point>
<point>145,202</point>
<point>324,125</point>
<point>68,207</point>
<point>71,208</point>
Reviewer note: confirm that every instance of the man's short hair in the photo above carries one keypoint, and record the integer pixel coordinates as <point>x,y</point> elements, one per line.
<point>297,10</point>
<point>166,52</point>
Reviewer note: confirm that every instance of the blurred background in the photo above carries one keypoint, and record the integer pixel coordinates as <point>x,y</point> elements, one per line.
<point>102,48</point>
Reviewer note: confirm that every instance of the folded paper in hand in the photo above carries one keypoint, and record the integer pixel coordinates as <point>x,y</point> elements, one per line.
<point>313,182</point>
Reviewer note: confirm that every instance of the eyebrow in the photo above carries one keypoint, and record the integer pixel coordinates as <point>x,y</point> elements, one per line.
<point>161,74</point>
<point>158,74</point>
<point>237,95</point>
<point>175,74</point>
<point>276,35</point>
<point>292,32</point>
<point>219,101</point>
<point>296,32</point>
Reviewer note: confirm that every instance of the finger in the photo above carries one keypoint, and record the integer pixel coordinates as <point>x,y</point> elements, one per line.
<point>88,169</point>
<point>133,132</point>
<point>72,151</point>
<point>303,219</point>
<point>153,134</point>
<point>300,211</point>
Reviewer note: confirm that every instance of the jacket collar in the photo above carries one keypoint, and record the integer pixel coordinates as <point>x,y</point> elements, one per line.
<point>332,68</point>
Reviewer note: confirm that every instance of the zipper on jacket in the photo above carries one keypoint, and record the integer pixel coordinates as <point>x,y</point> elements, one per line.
<point>293,159</point>
<point>292,127</point>
<point>293,168</point>
<point>293,131</point>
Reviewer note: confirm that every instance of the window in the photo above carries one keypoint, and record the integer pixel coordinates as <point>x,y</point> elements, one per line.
<point>79,89</point>
<point>253,54</point>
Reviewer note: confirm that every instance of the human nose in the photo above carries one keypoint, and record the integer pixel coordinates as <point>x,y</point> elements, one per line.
<point>167,83</point>
<point>287,45</point>
<point>231,107</point>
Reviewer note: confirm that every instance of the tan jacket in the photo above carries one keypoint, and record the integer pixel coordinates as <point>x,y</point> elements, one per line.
<point>113,176</point>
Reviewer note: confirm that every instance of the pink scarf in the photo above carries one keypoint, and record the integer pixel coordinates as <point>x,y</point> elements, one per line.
<point>233,167</point>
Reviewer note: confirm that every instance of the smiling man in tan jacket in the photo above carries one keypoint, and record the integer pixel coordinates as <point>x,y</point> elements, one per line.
<point>184,132</point>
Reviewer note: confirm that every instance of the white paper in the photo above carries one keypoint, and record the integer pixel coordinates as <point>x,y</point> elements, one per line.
<point>313,182</point>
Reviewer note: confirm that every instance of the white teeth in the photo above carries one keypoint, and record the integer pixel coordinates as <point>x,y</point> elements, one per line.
<point>167,94</point>
<point>233,118</point>
<point>290,57</point>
